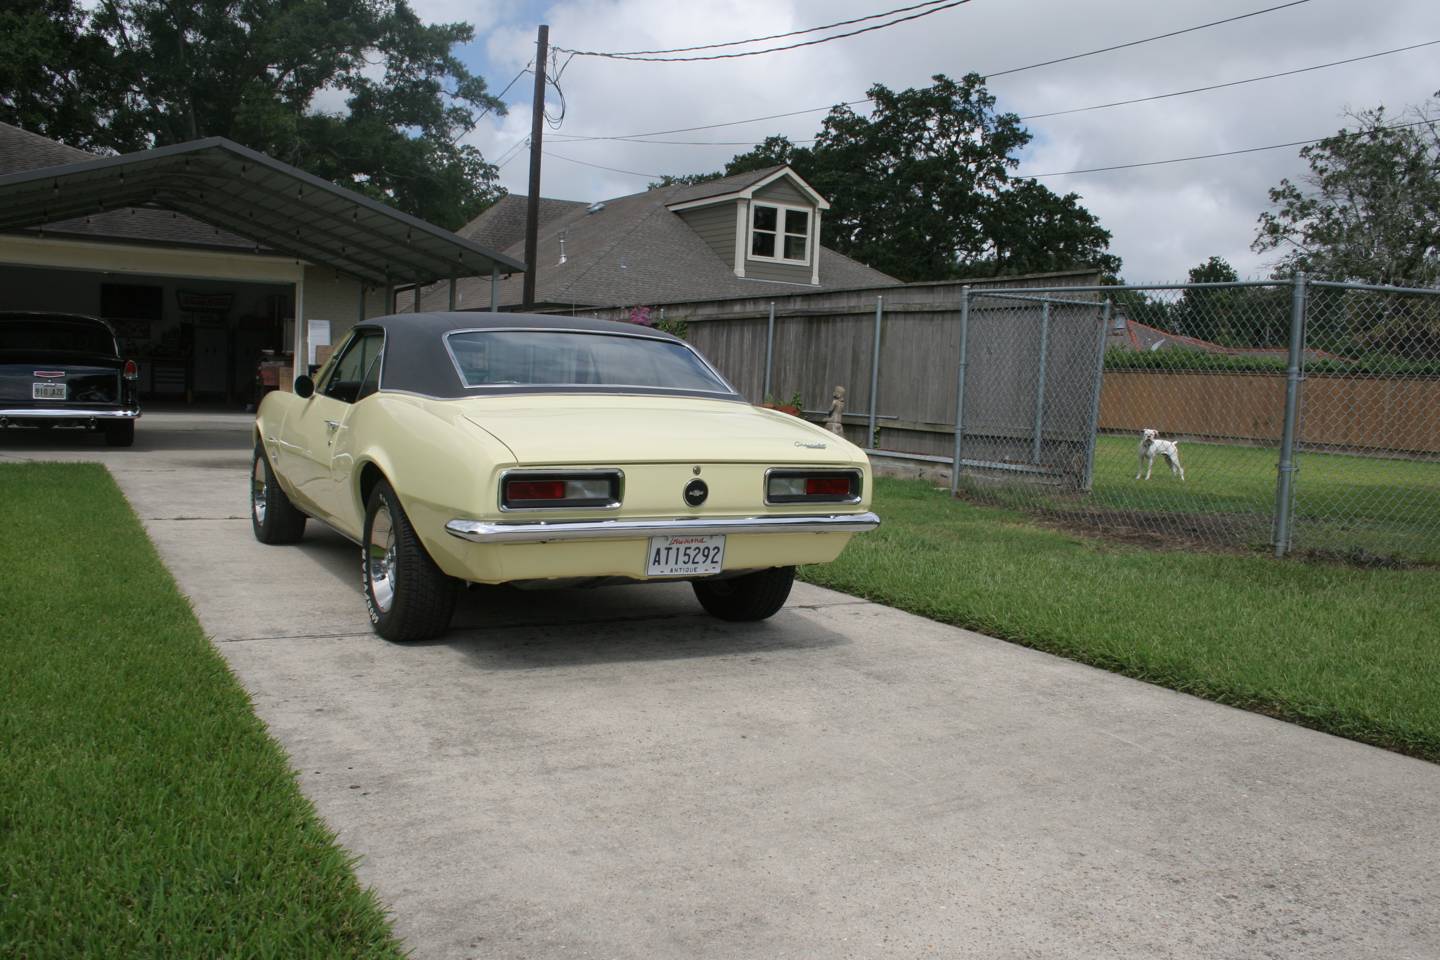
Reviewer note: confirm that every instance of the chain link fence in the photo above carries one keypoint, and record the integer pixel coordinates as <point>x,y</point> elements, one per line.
<point>1292,416</point>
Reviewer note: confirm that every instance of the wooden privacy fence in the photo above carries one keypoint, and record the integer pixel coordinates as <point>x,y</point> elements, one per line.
<point>1340,412</point>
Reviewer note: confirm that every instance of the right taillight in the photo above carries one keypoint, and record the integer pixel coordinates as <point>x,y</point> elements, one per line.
<point>131,370</point>
<point>812,486</point>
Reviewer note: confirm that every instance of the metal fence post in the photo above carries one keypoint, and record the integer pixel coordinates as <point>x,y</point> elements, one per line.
<point>1088,481</point>
<point>1284,485</point>
<point>769,353</point>
<point>1040,386</point>
<point>875,371</point>
<point>960,388</point>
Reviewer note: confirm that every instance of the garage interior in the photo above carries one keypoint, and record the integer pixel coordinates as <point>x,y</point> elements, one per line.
<point>217,265</point>
<point>194,340</point>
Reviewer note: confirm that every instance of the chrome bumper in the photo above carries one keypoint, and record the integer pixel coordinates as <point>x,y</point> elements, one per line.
<point>541,531</point>
<point>67,413</point>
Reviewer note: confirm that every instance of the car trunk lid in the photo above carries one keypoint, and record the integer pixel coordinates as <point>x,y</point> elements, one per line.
<point>39,382</point>
<point>606,429</point>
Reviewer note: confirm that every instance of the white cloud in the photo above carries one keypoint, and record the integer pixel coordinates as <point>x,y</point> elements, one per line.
<point>1165,219</point>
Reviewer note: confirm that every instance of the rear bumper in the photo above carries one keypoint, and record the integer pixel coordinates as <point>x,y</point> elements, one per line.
<point>68,413</point>
<point>561,531</point>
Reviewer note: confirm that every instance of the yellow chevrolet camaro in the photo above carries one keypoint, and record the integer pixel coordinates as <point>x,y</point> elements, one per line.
<point>515,448</point>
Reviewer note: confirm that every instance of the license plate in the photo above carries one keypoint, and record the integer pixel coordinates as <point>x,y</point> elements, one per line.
<point>47,391</point>
<point>684,556</point>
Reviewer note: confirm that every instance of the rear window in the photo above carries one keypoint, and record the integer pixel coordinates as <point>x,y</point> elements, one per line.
<point>72,336</point>
<point>563,358</point>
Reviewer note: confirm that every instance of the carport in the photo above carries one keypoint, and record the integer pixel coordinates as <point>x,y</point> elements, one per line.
<point>207,254</point>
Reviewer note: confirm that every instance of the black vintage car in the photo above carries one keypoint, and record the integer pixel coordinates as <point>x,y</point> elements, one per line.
<point>61,369</point>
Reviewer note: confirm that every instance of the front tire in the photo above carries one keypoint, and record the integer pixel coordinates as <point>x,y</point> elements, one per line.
<point>272,516</point>
<point>408,597</point>
<point>754,596</point>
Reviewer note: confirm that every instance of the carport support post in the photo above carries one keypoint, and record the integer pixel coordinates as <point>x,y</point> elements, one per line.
<point>1284,485</point>
<point>1040,380</point>
<point>766,395</point>
<point>1088,480</point>
<point>960,387</point>
<point>494,289</point>
<point>875,371</point>
<point>452,293</point>
<point>360,310</point>
<point>416,308</point>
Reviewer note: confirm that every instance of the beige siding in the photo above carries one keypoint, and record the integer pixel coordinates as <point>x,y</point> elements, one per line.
<point>782,191</point>
<point>784,272</point>
<point>716,226</point>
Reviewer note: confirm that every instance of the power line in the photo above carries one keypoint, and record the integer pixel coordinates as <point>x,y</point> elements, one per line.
<point>997,73</point>
<point>789,46</point>
<point>1232,83</point>
<point>738,43</point>
<point>583,163</point>
<point>1134,43</point>
<point>1208,156</point>
<point>1057,113</point>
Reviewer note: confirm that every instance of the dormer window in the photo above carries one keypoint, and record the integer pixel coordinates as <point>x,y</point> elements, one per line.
<point>780,233</point>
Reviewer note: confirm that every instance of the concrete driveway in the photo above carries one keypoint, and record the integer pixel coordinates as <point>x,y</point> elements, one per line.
<point>612,774</point>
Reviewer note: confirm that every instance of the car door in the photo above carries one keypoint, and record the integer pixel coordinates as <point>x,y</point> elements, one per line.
<point>309,433</point>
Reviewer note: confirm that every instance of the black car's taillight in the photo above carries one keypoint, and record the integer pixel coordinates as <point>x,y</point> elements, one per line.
<point>812,486</point>
<point>579,488</point>
<point>131,370</point>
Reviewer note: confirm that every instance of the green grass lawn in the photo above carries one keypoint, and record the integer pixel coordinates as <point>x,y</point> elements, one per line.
<point>144,811</point>
<point>1351,651</point>
<point>1343,503</point>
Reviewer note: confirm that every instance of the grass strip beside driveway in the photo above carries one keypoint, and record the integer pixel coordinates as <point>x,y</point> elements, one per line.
<point>1344,650</point>
<point>144,810</point>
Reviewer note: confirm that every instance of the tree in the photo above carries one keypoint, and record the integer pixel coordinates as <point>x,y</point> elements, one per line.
<point>156,72</point>
<point>1031,229</point>
<point>921,188</point>
<point>1209,313</point>
<point>53,73</point>
<point>1369,210</point>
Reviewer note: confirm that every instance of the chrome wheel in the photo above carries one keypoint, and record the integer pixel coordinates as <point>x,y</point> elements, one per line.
<point>380,570</point>
<point>259,492</point>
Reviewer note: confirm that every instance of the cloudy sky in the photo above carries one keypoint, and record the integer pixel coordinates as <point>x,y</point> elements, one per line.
<point>1165,219</point>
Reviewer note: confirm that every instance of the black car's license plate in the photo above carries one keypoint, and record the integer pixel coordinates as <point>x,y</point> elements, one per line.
<point>47,391</point>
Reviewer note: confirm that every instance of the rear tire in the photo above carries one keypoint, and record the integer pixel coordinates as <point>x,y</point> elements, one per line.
<point>407,596</point>
<point>754,596</point>
<point>121,433</point>
<point>272,516</point>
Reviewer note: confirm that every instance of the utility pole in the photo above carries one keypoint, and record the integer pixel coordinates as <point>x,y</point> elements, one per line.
<point>532,207</point>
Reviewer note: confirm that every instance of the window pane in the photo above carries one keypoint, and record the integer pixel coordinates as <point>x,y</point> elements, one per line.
<point>765,217</point>
<point>763,244</point>
<point>563,358</point>
<point>797,221</point>
<point>794,248</point>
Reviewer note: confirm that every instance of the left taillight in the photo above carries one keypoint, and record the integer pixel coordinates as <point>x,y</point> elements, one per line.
<point>812,486</point>
<point>538,491</point>
<point>131,370</point>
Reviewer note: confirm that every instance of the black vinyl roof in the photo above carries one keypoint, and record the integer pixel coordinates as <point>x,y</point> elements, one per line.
<point>416,360</point>
<point>245,192</point>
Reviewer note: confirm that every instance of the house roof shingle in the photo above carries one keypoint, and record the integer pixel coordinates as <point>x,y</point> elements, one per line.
<point>631,250</point>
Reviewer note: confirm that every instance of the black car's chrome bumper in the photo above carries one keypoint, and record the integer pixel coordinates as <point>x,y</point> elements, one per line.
<point>543,532</point>
<point>66,413</point>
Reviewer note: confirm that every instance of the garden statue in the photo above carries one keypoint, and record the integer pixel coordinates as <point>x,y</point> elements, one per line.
<point>835,422</point>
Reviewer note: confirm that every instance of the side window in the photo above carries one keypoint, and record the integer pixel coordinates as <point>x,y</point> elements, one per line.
<point>348,375</point>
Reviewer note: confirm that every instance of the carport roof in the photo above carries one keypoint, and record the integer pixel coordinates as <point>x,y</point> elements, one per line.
<point>247,193</point>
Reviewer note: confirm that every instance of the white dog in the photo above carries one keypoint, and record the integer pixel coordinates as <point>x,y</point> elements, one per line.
<point>1150,446</point>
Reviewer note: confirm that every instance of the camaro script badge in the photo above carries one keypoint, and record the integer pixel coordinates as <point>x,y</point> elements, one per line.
<point>810,446</point>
